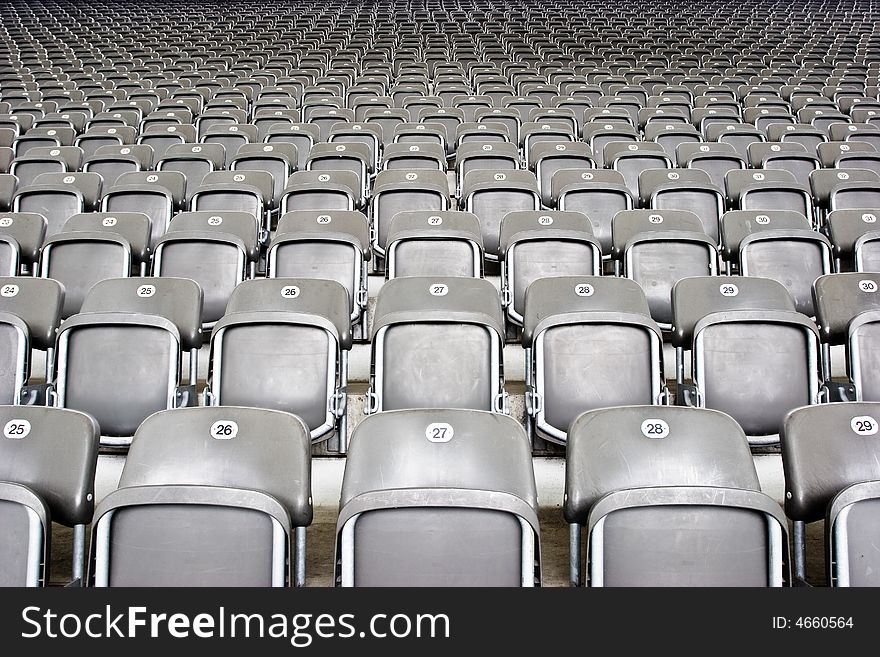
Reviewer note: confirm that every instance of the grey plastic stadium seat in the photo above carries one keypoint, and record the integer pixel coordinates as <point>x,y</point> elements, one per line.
<point>230,509</point>
<point>283,344</point>
<point>217,250</point>
<point>112,161</point>
<point>30,312</point>
<point>753,356</point>
<point>119,358</point>
<point>135,227</point>
<point>438,497</point>
<point>428,243</point>
<point>437,343</point>
<point>855,235</point>
<point>492,195</point>
<point>39,160</point>
<point>58,196</point>
<point>546,158</point>
<point>48,458</point>
<point>598,194</point>
<point>684,189</point>
<point>236,191</point>
<point>768,190</point>
<point>25,232</point>
<point>404,191</point>
<point>156,194</point>
<point>301,135</point>
<point>830,151</point>
<point>848,313</point>
<point>333,245</point>
<point>780,245</point>
<point>590,342</point>
<point>321,190</point>
<point>412,156</point>
<point>632,159</point>
<point>79,259</point>
<point>669,497</point>
<point>194,161</point>
<point>830,458</point>
<point>658,248</point>
<point>537,244</point>
<point>715,159</point>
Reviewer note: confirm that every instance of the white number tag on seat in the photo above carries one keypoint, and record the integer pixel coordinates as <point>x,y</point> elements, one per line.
<point>290,291</point>
<point>439,432</point>
<point>17,429</point>
<point>864,425</point>
<point>654,428</point>
<point>224,430</point>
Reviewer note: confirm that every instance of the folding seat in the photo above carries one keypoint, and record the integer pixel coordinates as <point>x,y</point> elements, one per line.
<point>404,191</point>
<point>193,161</point>
<point>94,247</point>
<point>829,152</point>
<point>683,189</point>
<point>851,194</point>
<point>830,461</point>
<point>670,135</point>
<point>738,135</point>
<point>218,118</point>
<point>283,344</point>
<point>798,133</point>
<point>332,245</point>
<point>632,159</point>
<point>546,159</point>
<point>415,105</point>
<point>47,474</point>
<point>715,159</point>
<point>825,182</point>
<point>354,158</point>
<point>112,161</point>
<point>487,131</point>
<point>419,133</point>
<point>157,194</point>
<point>469,105</point>
<point>434,522</point>
<point>359,133</point>
<point>21,237</point>
<point>301,135</point>
<point>30,311</point>
<point>847,311</point>
<point>426,243</point>
<point>119,359</point>
<point>93,139</point>
<point>869,161</point>
<point>387,119</point>
<point>598,135</point>
<point>855,236</point>
<point>779,245</point>
<point>753,355</point>
<point>231,137</point>
<point>314,190</point>
<point>58,196</point>
<point>791,157</point>
<point>43,137</point>
<point>821,118</point>
<point>416,314</point>
<point>868,133</point>
<point>230,510</point>
<point>411,156</point>
<point>280,160</point>
<point>768,190</point>
<point>160,137</point>
<point>538,244</point>
<point>590,342</point>
<point>532,133</point>
<point>658,248</point>
<point>483,156</point>
<point>763,117</point>
<point>669,497</point>
<point>45,159</point>
<point>218,250</point>
<point>508,117</point>
<point>709,118</point>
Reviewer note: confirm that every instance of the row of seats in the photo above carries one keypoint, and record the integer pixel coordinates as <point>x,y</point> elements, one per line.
<point>589,342</point>
<point>440,497</point>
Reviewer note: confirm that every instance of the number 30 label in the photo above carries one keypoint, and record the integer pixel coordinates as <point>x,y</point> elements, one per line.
<point>17,429</point>
<point>864,425</point>
<point>439,432</point>
<point>653,428</point>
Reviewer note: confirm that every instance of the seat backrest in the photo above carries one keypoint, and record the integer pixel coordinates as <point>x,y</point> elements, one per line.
<point>424,243</point>
<point>625,467</point>
<point>238,469</point>
<point>454,457</point>
<point>840,298</point>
